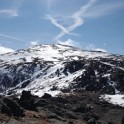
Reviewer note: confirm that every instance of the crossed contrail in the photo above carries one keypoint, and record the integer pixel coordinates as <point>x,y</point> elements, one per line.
<point>77,17</point>
<point>55,22</point>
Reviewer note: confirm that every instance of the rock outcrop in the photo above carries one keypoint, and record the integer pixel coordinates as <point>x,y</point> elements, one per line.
<point>76,108</point>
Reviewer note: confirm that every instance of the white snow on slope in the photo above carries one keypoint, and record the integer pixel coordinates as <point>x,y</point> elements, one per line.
<point>45,82</point>
<point>117,99</point>
<point>5,50</point>
<point>53,53</point>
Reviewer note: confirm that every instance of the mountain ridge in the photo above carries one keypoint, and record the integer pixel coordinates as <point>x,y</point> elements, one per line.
<point>57,69</point>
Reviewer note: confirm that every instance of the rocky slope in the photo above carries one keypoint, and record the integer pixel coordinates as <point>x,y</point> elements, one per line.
<point>57,69</point>
<point>76,108</point>
<point>83,84</point>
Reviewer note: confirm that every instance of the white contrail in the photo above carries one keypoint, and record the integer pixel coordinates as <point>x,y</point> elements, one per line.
<point>54,22</point>
<point>61,27</point>
<point>78,16</point>
<point>78,19</point>
<point>15,38</point>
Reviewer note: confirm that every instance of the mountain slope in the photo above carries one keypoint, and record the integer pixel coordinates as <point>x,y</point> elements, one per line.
<point>61,69</point>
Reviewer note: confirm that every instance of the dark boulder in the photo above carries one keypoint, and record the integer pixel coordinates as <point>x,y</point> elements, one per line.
<point>122,120</point>
<point>11,108</point>
<point>25,95</point>
<point>28,104</point>
<point>6,110</point>
<point>28,101</point>
<point>46,96</point>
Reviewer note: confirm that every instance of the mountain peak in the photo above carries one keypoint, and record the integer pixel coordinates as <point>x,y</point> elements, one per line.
<point>54,53</point>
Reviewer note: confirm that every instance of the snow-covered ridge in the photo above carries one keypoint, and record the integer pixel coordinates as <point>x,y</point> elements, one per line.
<point>53,53</point>
<point>60,68</point>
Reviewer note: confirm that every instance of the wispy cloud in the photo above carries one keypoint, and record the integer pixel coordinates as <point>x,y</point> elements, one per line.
<point>51,3</point>
<point>94,48</point>
<point>68,42</point>
<point>33,43</point>
<point>13,9</point>
<point>9,12</point>
<point>90,47</point>
<point>103,9</point>
<point>11,37</point>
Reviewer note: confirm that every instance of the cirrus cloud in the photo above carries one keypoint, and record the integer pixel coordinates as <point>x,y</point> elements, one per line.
<point>94,48</point>
<point>68,42</point>
<point>33,43</point>
<point>9,12</point>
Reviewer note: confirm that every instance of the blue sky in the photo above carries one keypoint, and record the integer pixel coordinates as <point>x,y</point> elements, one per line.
<point>88,24</point>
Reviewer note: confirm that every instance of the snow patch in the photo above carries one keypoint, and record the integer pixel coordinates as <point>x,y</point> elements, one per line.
<point>101,50</point>
<point>117,99</point>
<point>5,50</point>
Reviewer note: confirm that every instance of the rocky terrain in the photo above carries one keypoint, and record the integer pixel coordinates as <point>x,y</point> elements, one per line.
<point>68,86</point>
<point>77,108</point>
<point>59,68</point>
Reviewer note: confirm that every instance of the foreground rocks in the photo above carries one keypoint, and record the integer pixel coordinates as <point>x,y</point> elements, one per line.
<point>76,108</point>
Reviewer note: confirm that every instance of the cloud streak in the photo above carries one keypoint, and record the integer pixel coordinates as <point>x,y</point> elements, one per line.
<point>13,8</point>
<point>55,22</point>
<point>94,48</point>
<point>9,12</point>
<point>104,9</point>
<point>51,3</point>
<point>68,42</point>
<point>11,37</point>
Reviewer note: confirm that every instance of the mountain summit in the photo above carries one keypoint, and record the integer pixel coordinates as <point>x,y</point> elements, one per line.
<point>58,69</point>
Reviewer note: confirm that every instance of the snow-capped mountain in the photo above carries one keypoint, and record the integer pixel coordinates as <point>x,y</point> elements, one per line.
<point>58,69</point>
